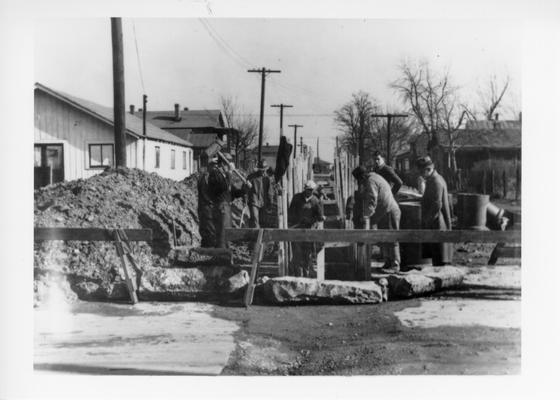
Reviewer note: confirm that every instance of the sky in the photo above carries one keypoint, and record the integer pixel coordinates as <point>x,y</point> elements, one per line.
<point>195,62</point>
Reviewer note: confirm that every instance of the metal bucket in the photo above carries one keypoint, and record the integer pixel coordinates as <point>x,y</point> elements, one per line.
<point>411,218</point>
<point>471,210</point>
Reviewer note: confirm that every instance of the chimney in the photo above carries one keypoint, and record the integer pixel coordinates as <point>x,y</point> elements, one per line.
<point>139,110</point>
<point>132,108</point>
<point>519,116</point>
<point>177,112</point>
<point>185,108</point>
<point>496,116</point>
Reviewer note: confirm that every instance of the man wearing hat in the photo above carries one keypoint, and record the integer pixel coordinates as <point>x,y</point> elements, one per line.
<point>305,212</point>
<point>436,212</point>
<point>381,208</point>
<point>206,226</point>
<point>260,196</point>
<point>223,190</point>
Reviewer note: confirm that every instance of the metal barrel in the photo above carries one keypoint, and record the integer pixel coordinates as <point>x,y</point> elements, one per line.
<point>494,215</point>
<point>411,218</point>
<point>471,210</point>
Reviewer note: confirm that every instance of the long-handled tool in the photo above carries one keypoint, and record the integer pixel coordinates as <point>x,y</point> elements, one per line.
<point>234,170</point>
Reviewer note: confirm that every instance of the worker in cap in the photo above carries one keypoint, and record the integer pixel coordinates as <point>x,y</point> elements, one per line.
<point>224,190</point>
<point>379,208</point>
<point>261,195</point>
<point>305,212</point>
<point>436,211</point>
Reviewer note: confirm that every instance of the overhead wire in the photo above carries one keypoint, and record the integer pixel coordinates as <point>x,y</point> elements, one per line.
<point>138,57</point>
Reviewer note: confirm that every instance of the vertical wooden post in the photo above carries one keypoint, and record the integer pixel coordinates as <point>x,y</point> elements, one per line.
<point>321,260</point>
<point>504,183</point>
<point>517,183</point>
<point>484,181</point>
<point>118,92</point>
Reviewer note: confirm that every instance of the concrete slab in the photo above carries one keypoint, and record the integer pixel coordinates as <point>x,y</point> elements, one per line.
<point>148,338</point>
<point>289,289</point>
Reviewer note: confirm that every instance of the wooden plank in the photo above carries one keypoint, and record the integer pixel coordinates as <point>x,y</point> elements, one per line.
<point>90,234</point>
<point>376,236</point>
<point>257,256</point>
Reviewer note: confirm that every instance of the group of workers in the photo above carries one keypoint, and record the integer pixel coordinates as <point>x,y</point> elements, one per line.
<point>216,191</point>
<point>373,206</point>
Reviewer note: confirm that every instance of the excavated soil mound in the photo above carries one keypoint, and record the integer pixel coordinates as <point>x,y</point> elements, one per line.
<point>116,198</point>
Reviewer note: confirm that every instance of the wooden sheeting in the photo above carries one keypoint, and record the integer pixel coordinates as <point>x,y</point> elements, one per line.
<point>376,236</point>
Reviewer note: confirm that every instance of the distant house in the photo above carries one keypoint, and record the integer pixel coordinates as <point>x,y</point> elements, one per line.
<point>321,166</point>
<point>269,153</point>
<point>484,151</point>
<point>74,138</point>
<point>204,129</point>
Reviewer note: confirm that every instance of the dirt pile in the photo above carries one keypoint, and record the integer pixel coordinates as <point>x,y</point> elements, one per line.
<point>116,198</point>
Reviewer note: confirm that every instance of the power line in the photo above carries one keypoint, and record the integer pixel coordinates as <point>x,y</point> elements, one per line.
<point>243,59</point>
<point>223,46</point>
<point>138,57</point>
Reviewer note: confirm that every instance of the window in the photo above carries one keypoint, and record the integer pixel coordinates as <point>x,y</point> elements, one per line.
<point>101,155</point>
<point>157,157</point>
<point>406,165</point>
<point>184,160</point>
<point>172,159</point>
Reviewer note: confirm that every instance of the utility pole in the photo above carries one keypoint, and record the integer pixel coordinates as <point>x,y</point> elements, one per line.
<point>118,92</point>
<point>389,117</point>
<point>317,150</point>
<point>281,106</point>
<point>263,71</point>
<point>144,105</point>
<point>295,126</point>
<point>300,145</point>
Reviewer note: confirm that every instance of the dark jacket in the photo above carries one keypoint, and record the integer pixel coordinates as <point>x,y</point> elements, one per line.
<point>222,188</point>
<point>436,213</point>
<point>377,197</point>
<point>262,191</point>
<point>304,213</point>
<point>205,196</point>
<point>389,174</point>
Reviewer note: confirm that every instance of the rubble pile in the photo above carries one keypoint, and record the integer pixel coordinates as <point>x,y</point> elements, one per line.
<point>116,198</point>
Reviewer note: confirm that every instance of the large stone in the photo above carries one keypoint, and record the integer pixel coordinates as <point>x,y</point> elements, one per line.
<point>189,283</point>
<point>429,279</point>
<point>287,290</point>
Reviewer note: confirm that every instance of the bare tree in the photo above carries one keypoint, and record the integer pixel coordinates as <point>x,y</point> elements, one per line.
<point>245,125</point>
<point>434,102</point>
<point>354,120</point>
<point>401,130</point>
<point>492,95</point>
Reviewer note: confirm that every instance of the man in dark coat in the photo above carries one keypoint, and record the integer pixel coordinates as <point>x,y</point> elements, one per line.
<point>355,210</point>
<point>206,226</point>
<point>387,172</point>
<point>436,212</point>
<point>380,206</point>
<point>305,212</point>
<point>260,196</point>
<point>223,192</point>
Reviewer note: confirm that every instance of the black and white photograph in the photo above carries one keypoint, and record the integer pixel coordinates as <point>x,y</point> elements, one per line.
<point>266,193</point>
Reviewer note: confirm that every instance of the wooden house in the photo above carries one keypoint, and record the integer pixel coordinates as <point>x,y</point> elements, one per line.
<point>74,138</point>
<point>487,153</point>
<point>204,129</point>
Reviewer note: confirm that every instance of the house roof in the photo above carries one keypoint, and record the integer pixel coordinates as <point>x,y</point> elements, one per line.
<point>187,119</point>
<point>198,140</point>
<point>472,139</point>
<point>105,114</point>
<point>492,125</point>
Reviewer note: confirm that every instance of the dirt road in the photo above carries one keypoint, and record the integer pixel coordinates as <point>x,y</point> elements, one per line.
<point>471,330</point>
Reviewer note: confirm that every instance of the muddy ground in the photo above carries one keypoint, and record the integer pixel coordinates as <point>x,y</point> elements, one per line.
<point>474,330</point>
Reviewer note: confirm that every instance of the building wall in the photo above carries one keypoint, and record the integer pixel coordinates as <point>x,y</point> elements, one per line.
<point>58,123</point>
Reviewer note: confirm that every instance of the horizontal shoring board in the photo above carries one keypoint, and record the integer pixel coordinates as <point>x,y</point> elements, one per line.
<point>90,234</point>
<point>375,236</point>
